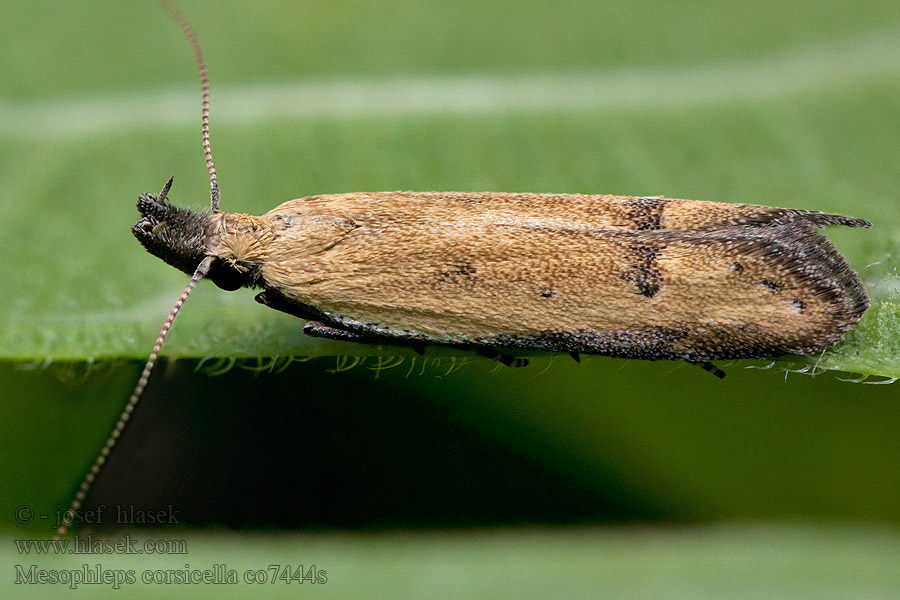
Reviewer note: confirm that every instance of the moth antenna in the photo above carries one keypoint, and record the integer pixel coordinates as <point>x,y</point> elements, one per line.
<point>188,31</point>
<point>135,397</point>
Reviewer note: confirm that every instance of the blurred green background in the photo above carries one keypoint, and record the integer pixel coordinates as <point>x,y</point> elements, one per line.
<point>445,476</point>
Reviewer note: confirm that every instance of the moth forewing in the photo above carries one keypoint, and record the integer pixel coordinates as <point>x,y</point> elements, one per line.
<point>621,276</point>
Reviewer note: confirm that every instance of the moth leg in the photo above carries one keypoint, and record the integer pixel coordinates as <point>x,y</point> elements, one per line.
<point>708,366</point>
<point>278,303</point>
<point>575,356</point>
<point>503,359</point>
<point>315,328</point>
<point>321,330</point>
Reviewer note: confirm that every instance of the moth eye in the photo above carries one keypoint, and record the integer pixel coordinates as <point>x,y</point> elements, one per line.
<point>158,227</point>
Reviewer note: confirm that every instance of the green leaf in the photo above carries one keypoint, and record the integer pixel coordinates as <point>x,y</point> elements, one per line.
<point>803,122</point>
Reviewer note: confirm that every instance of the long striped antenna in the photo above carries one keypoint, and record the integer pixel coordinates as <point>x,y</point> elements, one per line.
<point>186,28</point>
<point>200,273</point>
<point>135,397</point>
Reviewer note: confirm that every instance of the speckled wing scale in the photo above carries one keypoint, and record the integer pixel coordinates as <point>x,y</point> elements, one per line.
<point>634,277</point>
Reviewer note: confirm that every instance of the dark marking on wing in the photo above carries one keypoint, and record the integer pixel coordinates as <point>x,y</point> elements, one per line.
<point>644,274</point>
<point>646,213</point>
<point>652,342</point>
<point>474,199</point>
<point>463,273</point>
<point>773,286</point>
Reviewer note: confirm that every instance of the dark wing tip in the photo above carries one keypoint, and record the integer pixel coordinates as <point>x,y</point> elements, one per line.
<point>768,216</point>
<point>796,247</point>
<point>814,259</point>
<point>820,218</point>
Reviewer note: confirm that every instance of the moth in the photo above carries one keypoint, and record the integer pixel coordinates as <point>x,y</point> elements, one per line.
<point>633,277</point>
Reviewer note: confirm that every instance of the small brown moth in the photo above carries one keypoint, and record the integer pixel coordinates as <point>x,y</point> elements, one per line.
<point>633,277</point>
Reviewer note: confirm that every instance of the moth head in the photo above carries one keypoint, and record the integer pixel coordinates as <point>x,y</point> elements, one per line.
<point>169,232</point>
<point>179,237</point>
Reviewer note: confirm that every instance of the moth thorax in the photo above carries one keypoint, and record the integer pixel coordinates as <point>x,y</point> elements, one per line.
<point>240,240</point>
